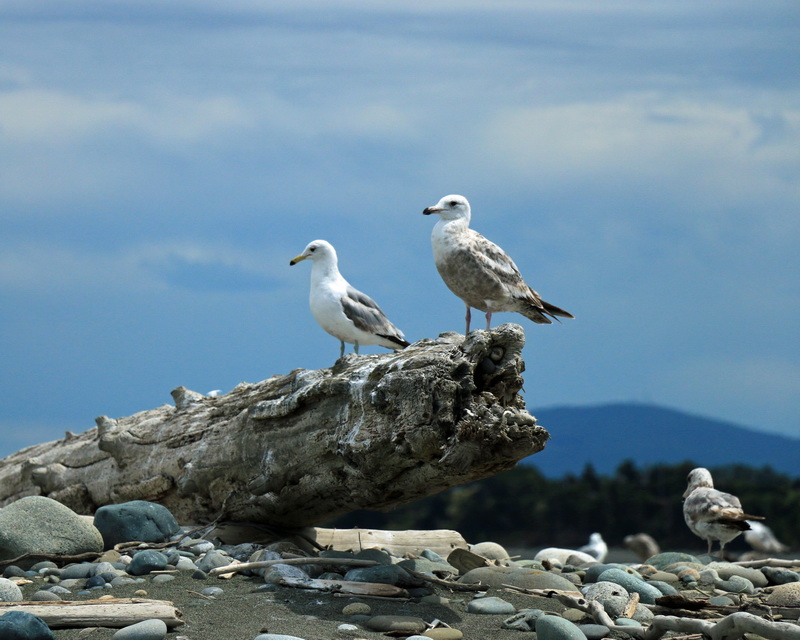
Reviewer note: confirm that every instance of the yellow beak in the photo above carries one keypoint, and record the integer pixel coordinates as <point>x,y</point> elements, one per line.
<point>297,259</point>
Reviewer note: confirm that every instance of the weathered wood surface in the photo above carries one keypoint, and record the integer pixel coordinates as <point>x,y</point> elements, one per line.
<point>371,432</point>
<point>115,612</point>
<point>412,541</point>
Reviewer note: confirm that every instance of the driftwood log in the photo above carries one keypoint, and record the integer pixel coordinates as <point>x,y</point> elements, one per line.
<point>114,612</point>
<point>371,432</point>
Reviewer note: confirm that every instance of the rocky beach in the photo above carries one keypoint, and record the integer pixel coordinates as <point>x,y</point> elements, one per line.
<point>296,591</point>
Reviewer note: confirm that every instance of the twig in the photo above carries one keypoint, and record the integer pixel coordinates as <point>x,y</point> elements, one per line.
<point>453,586</point>
<point>769,562</point>
<point>244,566</point>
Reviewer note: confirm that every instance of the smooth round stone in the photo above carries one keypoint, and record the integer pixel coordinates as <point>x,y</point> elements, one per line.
<point>518,577</point>
<point>557,628</point>
<point>135,520</point>
<point>423,565</point>
<point>780,575</point>
<point>44,564</point>
<point>665,588</point>
<point>382,574</point>
<point>736,584</point>
<point>146,630</point>
<point>9,591</point>
<point>721,601</point>
<point>662,576</point>
<point>77,571</point>
<point>603,589</point>
<point>374,554</point>
<point>95,581</point>
<point>212,560</point>
<point>13,571</point>
<point>43,525</point>
<point>647,593</point>
<point>275,636</point>
<point>490,550</point>
<point>428,554</point>
<point>58,590</point>
<point>277,572</point>
<point>593,573</point>
<point>615,606</point>
<point>385,623</point>
<point>594,631</point>
<point>663,560</point>
<point>627,622</point>
<point>490,606</point>
<point>212,591</point>
<point>357,609</point>
<point>162,578</point>
<point>21,625</point>
<point>785,595</point>
<point>146,561</point>
<point>197,546</point>
<point>120,580</point>
<point>573,615</point>
<point>45,596</point>
<point>728,569</point>
<point>443,633</point>
<point>185,564</point>
<point>347,630</point>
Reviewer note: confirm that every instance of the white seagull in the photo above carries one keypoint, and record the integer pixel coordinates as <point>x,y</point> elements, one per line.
<point>478,271</point>
<point>761,538</point>
<point>342,310</point>
<point>597,547</point>
<point>711,514</point>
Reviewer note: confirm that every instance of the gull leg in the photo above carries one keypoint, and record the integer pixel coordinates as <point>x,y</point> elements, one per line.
<point>710,544</point>
<point>469,317</point>
<point>488,319</point>
<point>355,346</point>
<point>341,352</point>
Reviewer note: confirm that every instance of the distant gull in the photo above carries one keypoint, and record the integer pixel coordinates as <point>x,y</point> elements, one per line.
<point>342,310</point>
<point>597,547</point>
<point>711,514</point>
<point>478,271</point>
<point>761,538</point>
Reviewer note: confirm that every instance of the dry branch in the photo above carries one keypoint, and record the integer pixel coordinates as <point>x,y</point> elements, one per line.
<point>119,612</point>
<point>371,432</point>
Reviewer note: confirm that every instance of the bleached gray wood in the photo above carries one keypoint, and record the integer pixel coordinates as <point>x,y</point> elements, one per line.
<point>371,432</point>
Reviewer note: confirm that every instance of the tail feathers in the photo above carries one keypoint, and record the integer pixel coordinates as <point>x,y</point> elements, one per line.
<point>553,310</point>
<point>539,312</point>
<point>400,342</point>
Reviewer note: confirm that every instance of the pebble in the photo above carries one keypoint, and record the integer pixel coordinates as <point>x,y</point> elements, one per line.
<point>603,589</point>
<point>525,620</point>
<point>24,626</point>
<point>152,629</point>
<point>627,622</point>
<point>163,577</point>
<point>490,605</point>
<point>43,525</point>
<point>779,575</point>
<point>785,595</point>
<point>411,624</point>
<point>383,574</point>
<point>45,596</point>
<point>664,560</point>
<point>79,571</point>
<point>594,572</point>
<point>728,569</point>
<point>135,520</point>
<point>277,572</point>
<point>490,550</point>
<point>518,577</point>
<point>665,588</point>
<point>212,560</point>
<point>214,592</point>
<point>9,591</point>
<point>557,628</point>
<point>443,633</point>
<point>146,561</point>
<point>357,609</point>
<point>275,636</point>
<point>347,630</point>
<point>594,631</point>
<point>647,593</point>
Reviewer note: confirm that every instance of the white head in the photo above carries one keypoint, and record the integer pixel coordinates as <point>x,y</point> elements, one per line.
<point>451,207</point>
<point>316,250</point>
<point>699,477</point>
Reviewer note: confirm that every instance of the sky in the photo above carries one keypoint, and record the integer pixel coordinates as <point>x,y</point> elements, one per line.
<point>161,163</point>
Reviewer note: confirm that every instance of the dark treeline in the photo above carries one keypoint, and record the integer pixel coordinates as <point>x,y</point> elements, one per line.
<point>521,507</point>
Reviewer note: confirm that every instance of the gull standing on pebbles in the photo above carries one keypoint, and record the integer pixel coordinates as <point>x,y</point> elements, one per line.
<point>342,310</point>
<point>597,547</point>
<point>478,271</point>
<point>711,514</point>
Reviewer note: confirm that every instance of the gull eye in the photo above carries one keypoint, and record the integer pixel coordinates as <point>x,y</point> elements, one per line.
<point>312,249</point>
<point>453,203</point>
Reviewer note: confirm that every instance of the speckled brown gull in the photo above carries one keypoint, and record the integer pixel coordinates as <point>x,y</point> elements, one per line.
<point>478,271</point>
<point>711,514</point>
<point>341,309</point>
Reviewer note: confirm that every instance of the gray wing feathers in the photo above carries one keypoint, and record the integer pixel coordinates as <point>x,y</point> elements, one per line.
<point>366,315</point>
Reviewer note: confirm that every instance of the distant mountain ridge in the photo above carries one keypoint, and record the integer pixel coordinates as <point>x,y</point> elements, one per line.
<point>605,435</point>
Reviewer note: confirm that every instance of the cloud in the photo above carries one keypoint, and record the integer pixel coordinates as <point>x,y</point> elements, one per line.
<point>46,270</point>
